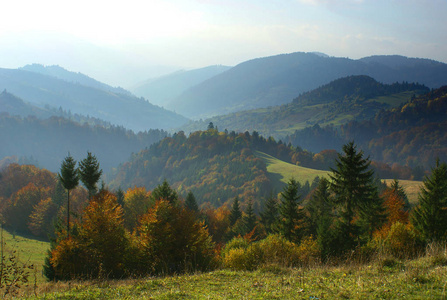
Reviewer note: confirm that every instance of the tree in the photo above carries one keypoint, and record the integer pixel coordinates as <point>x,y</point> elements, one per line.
<point>269,215</point>
<point>249,217</point>
<point>235,212</point>
<point>90,173</point>
<point>165,192</point>
<point>356,196</point>
<point>430,216</point>
<point>136,203</point>
<point>69,178</point>
<point>290,215</point>
<point>191,202</point>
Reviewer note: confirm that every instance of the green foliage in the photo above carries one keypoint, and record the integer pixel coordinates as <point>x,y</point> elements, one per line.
<point>290,221</point>
<point>430,216</point>
<point>191,203</point>
<point>136,203</point>
<point>356,196</point>
<point>269,215</point>
<point>69,178</point>
<point>165,192</point>
<point>89,173</point>
<point>235,212</point>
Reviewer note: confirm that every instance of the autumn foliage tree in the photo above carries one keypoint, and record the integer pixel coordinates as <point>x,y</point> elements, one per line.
<point>171,239</point>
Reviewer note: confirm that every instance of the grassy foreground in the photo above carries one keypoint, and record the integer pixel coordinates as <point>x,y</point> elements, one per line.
<point>385,279</point>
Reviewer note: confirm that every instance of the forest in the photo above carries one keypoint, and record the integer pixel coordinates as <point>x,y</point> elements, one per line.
<point>103,233</point>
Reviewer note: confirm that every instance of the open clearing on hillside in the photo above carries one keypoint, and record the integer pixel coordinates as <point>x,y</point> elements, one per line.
<point>283,171</point>
<point>412,188</point>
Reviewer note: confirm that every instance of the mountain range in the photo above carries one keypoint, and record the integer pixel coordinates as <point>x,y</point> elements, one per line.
<point>276,80</point>
<point>90,98</point>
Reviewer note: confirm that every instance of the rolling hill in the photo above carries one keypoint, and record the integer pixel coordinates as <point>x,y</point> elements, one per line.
<point>119,109</point>
<point>340,101</point>
<point>276,80</point>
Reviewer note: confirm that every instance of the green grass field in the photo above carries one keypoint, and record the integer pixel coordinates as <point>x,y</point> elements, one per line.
<point>386,278</point>
<point>28,250</point>
<point>282,171</point>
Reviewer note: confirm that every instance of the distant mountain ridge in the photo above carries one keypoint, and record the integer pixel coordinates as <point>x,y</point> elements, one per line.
<point>119,109</point>
<point>164,89</point>
<point>79,78</point>
<point>276,80</point>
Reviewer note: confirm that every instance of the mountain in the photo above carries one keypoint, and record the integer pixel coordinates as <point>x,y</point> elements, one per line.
<point>79,78</point>
<point>340,101</point>
<point>412,134</point>
<point>47,141</point>
<point>120,109</point>
<point>161,91</point>
<point>276,80</point>
<point>215,166</point>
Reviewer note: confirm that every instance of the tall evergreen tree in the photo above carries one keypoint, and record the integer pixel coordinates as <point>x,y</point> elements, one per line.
<point>269,215</point>
<point>356,197</point>
<point>400,191</point>
<point>430,216</point>
<point>191,202</point>
<point>320,205</point>
<point>249,217</point>
<point>290,215</point>
<point>165,192</point>
<point>90,173</point>
<point>69,179</point>
<point>235,213</point>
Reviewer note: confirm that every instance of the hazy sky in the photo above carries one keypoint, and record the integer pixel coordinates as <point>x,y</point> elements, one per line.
<point>124,42</point>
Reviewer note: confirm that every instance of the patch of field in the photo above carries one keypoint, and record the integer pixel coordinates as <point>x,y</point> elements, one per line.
<point>390,279</point>
<point>282,171</point>
<point>28,250</point>
<point>412,188</point>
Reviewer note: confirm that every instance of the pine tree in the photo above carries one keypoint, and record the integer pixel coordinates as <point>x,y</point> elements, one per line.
<point>165,192</point>
<point>400,191</point>
<point>356,196</point>
<point>430,216</point>
<point>69,178</point>
<point>320,205</point>
<point>235,213</point>
<point>90,173</point>
<point>290,215</point>
<point>191,202</point>
<point>249,217</point>
<point>269,215</point>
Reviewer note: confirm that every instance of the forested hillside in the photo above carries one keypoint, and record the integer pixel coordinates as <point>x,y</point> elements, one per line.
<point>276,80</point>
<point>48,141</point>
<point>215,166</point>
<point>412,134</point>
<point>338,102</point>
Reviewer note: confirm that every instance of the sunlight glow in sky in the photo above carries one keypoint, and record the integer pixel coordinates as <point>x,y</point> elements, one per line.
<point>124,42</point>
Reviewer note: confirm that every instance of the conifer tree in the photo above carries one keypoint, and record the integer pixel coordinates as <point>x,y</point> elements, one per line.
<point>290,215</point>
<point>430,216</point>
<point>249,217</point>
<point>191,202</point>
<point>69,179</point>
<point>269,215</point>
<point>235,213</point>
<point>320,205</point>
<point>356,196</point>
<point>90,173</point>
<point>165,192</point>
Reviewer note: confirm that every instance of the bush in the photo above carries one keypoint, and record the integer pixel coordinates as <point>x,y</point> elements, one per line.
<point>399,241</point>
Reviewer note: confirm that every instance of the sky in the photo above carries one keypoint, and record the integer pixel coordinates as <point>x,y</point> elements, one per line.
<point>122,43</point>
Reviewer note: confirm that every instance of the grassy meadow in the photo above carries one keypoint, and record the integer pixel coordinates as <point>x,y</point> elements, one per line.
<point>384,278</point>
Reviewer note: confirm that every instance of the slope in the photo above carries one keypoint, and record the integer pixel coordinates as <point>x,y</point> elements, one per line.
<point>338,102</point>
<point>412,134</point>
<point>161,91</point>
<point>215,166</point>
<point>124,110</point>
<point>278,79</point>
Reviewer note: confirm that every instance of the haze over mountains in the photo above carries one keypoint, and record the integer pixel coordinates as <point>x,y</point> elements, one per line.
<point>289,92</point>
<point>89,98</point>
<point>276,80</point>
